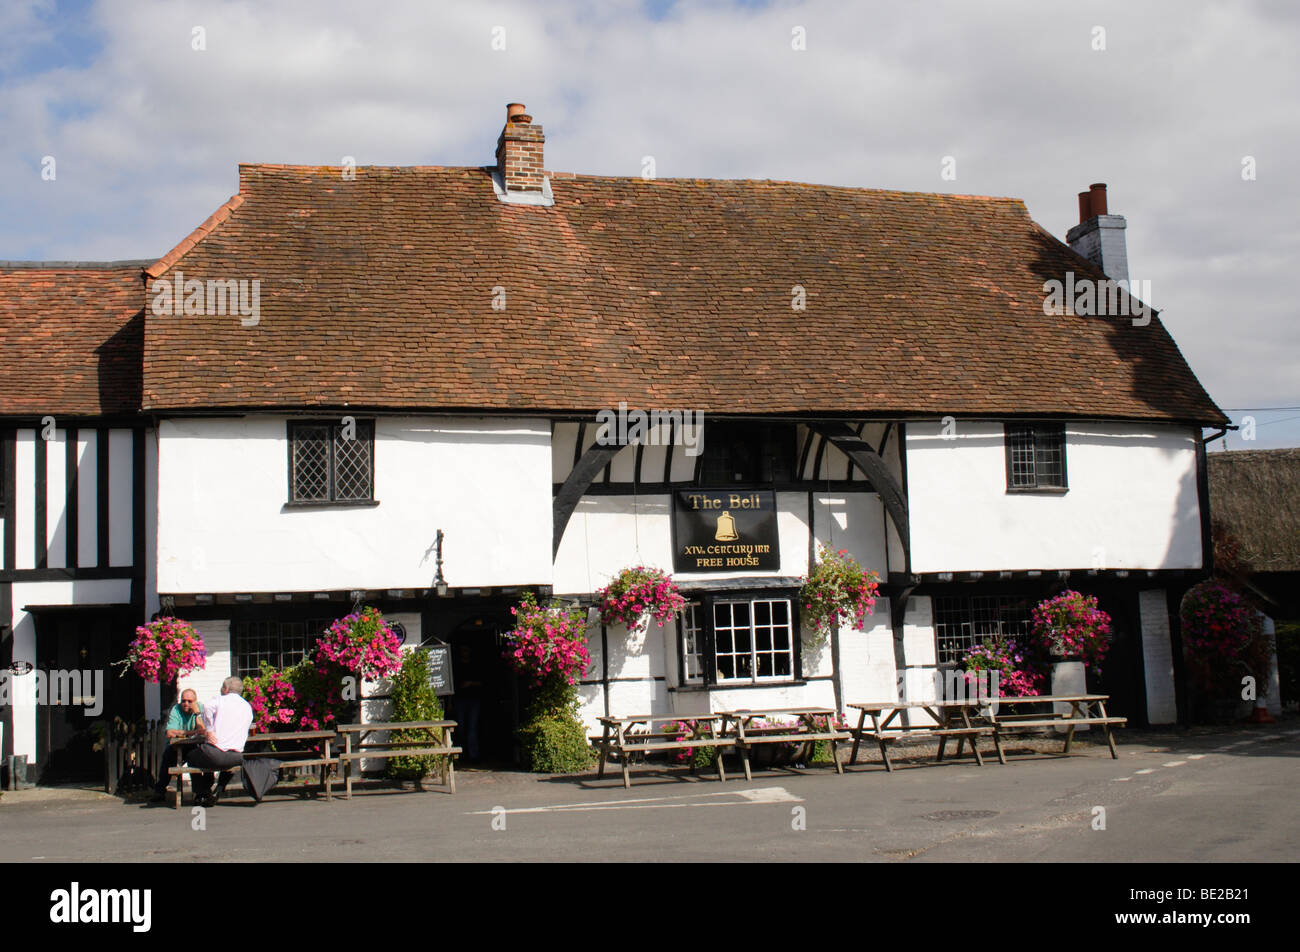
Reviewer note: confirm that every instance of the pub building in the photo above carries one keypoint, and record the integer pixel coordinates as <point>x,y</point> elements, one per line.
<point>409,415</point>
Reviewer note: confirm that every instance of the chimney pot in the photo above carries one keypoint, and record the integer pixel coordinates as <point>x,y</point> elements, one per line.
<point>1097,199</point>
<point>1099,236</point>
<point>519,152</point>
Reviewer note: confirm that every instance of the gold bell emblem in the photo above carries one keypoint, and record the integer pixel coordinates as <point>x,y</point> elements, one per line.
<point>726,529</point>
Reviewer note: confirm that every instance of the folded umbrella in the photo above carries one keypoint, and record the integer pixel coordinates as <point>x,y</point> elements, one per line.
<point>260,775</point>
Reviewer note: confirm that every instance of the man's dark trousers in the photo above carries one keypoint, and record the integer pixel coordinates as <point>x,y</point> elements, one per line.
<point>211,757</point>
<point>169,759</point>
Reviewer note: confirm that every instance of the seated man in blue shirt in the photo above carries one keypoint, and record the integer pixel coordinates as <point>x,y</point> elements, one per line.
<point>182,721</point>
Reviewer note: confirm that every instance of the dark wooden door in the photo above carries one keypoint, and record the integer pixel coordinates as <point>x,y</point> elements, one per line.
<point>86,642</point>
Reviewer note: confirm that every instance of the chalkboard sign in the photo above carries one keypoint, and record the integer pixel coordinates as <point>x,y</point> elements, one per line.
<point>440,676</point>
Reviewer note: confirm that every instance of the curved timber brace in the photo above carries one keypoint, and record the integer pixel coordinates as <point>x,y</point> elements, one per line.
<point>863,455</point>
<point>873,466</point>
<point>587,468</point>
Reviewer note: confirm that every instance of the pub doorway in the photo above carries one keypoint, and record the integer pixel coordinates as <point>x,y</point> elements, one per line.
<point>75,648</point>
<point>485,704</point>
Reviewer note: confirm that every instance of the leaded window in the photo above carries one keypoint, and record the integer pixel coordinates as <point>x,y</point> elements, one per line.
<point>743,453</point>
<point>331,462</point>
<point>963,621</point>
<point>281,644</point>
<point>1035,456</point>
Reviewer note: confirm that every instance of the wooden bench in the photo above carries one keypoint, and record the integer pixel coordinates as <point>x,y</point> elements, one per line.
<point>622,741</point>
<point>439,745</point>
<point>291,758</point>
<point>952,718</point>
<point>804,730</point>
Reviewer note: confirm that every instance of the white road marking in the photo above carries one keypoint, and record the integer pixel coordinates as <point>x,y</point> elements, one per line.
<point>1121,779</point>
<point>746,798</point>
<point>1195,756</point>
<point>1174,763</point>
<point>1146,770</point>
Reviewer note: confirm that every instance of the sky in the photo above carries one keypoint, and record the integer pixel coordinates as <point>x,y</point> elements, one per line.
<point>122,123</point>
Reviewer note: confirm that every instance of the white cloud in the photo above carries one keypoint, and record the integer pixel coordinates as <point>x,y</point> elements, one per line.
<point>148,134</point>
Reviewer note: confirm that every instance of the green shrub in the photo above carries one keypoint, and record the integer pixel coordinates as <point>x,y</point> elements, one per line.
<point>703,758</point>
<point>414,700</point>
<point>553,737</point>
<point>555,745</point>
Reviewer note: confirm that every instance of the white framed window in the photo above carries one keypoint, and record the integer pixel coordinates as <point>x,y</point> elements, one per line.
<point>748,640</point>
<point>1035,457</point>
<point>692,645</point>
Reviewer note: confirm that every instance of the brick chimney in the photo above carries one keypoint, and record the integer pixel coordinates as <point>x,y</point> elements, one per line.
<point>1099,236</point>
<point>519,152</point>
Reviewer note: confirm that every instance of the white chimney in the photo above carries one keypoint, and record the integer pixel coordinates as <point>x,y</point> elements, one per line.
<point>1099,237</point>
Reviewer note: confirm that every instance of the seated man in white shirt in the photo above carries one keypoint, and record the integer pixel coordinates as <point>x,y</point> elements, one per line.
<point>226,720</point>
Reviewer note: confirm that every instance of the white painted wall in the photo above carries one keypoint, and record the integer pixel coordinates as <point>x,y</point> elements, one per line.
<point>120,483</point>
<point>223,525</point>
<point>609,533</point>
<point>87,499</point>
<point>56,482</point>
<point>151,602</point>
<point>919,656</point>
<point>867,666</point>
<point>216,643</point>
<point>24,508</point>
<point>1131,502</point>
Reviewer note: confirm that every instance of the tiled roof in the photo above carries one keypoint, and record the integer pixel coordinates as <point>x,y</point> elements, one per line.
<point>379,292</point>
<point>70,337</point>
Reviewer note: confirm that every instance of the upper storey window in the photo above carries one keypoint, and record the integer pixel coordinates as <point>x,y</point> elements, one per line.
<point>1035,456</point>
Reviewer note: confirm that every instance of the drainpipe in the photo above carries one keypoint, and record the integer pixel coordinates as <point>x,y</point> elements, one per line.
<point>1222,431</point>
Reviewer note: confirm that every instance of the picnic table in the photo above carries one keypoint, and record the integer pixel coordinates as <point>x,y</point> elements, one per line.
<point>805,729</point>
<point>1084,709</point>
<point>306,755</point>
<point>622,739</point>
<point>952,718</point>
<point>439,744</point>
<point>967,718</point>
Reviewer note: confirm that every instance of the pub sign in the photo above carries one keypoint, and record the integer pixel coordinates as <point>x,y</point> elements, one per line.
<point>725,530</point>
